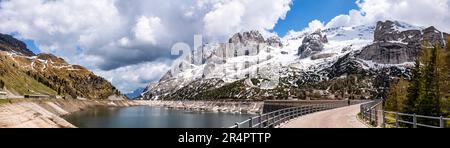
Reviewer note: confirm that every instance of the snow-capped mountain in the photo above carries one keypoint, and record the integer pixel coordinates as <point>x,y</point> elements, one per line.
<point>333,63</point>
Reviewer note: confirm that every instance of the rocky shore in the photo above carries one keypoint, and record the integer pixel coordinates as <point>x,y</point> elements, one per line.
<point>47,113</point>
<point>209,106</point>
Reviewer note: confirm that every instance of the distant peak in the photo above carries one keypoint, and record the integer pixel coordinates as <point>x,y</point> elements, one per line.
<point>245,37</point>
<point>10,44</point>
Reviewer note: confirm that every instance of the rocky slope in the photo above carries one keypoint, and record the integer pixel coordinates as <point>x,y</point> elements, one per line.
<point>333,63</point>
<point>24,73</point>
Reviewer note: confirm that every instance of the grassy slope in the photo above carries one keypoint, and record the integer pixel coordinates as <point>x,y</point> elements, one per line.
<point>16,79</point>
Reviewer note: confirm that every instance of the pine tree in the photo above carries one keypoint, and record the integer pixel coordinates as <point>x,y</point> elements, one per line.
<point>445,89</point>
<point>429,104</point>
<point>443,70</point>
<point>397,96</point>
<point>415,89</point>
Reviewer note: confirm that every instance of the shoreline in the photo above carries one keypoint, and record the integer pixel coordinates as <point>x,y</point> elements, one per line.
<point>50,113</point>
<point>251,108</point>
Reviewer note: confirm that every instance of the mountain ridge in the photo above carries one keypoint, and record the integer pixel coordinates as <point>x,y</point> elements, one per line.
<point>333,63</point>
<point>26,73</point>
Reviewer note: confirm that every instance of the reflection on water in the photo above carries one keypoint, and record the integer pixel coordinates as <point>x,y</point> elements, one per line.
<point>151,117</point>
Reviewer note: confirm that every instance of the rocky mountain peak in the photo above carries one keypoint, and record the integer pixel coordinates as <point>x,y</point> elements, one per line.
<point>312,44</point>
<point>274,42</point>
<point>247,37</point>
<point>434,36</point>
<point>395,31</point>
<point>10,44</point>
<point>384,29</point>
<point>397,43</point>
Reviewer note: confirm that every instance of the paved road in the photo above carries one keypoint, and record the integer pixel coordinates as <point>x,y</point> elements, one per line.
<point>337,118</point>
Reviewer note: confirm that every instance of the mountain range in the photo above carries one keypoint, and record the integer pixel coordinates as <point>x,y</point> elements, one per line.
<point>332,63</point>
<point>23,72</point>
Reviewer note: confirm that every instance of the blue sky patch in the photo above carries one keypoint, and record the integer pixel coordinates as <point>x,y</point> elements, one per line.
<point>304,11</point>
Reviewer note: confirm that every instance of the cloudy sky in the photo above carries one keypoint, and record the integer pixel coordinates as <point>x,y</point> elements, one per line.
<point>128,41</point>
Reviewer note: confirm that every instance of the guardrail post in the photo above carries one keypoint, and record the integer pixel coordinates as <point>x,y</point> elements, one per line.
<point>274,116</point>
<point>260,120</point>
<point>396,120</point>
<point>415,121</point>
<point>376,118</point>
<point>286,115</point>
<point>441,122</point>
<point>250,122</point>
<point>277,116</point>
<point>271,117</point>
<point>291,114</point>
<point>384,118</point>
<point>363,113</point>
<point>302,111</point>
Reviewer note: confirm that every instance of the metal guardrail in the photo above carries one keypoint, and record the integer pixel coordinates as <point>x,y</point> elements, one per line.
<point>275,118</point>
<point>370,114</point>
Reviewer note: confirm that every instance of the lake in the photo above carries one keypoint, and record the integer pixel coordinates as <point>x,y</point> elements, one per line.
<point>151,117</point>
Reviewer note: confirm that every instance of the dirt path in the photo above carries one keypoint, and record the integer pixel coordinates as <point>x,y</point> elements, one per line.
<point>345,117</point>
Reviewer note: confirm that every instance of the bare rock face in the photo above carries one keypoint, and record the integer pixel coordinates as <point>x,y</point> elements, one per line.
<point>433,36</point>
<point>312,44</point>
<point>274,42</point>
<point>247,37</point>
<point>10,44</point>
<point>394,46</point>
<point>389,53</point>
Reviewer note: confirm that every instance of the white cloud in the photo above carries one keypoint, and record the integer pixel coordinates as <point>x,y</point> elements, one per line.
<point>108,35</point>
<point>417,12</point>
<point>232,12</point>
<point>128,78</point>
<point>312,27</point>
<point>353,18</point>
<point>60,26</point>
<point>146,29</point>
<point>234,16</point>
